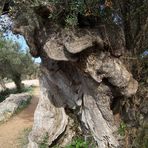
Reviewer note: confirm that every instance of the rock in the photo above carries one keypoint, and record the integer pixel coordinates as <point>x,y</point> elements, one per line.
<point>11,104</point>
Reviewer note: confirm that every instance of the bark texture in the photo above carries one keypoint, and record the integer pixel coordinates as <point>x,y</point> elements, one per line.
<point>78,72</point>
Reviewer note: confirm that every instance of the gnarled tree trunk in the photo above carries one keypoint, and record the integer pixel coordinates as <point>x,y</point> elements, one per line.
<point>78,73</point>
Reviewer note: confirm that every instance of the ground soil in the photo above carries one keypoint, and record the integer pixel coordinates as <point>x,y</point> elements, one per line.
<point>10,130</point>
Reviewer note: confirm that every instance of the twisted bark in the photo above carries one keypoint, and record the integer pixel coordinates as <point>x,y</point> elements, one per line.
<point>80,73</point>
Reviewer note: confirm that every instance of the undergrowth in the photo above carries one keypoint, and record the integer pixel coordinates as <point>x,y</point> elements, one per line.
<point>122,129</point>
<point>23,105</point>
<point>23,138</point>
<point>79,142</point>
<point>44,143</point>
<point>4,94</point>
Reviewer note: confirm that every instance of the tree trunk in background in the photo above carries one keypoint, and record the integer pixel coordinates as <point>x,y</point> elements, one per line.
<point>80,80</point>
<point>2,83</point>
<point>2,3</point>
<point>17,80</point>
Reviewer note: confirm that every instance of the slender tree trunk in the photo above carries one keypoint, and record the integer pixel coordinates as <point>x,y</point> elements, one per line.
<point>2,3</point>
<point>17,80</point>
<point>2,83</point>
<point>127,24</point>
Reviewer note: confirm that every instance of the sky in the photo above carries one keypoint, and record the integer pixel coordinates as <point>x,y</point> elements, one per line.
<point>6,24</point>
<point>21,40</point>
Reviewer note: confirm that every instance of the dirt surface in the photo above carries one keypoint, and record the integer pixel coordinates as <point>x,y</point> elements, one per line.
<point>10,130</point>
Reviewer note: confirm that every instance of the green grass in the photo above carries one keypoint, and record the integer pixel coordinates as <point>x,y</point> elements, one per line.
<point>23,138</point>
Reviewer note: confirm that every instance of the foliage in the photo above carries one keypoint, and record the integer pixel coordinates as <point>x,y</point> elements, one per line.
<point>78,143</point>
<point>44,143</point>
<point>140,69</point>
<point>134,110</point>
<point>66,11</point>
<point>23,138</point>
<point>135,23</point>
<point>23,105</point>
<point>129,14</point>
<point>13,60</point>
<point>122,129</point>
<point>14,63</point>
<point>141,140</point>
<point>72,8</point>
<point>5,93</point>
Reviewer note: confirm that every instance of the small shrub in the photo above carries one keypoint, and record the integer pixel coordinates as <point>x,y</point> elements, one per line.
<point>23,138</point>
<point>122,129</point>
<point>4,94</point>
<point>23,105</point>
<point>78,143</point>
<point>44,143</point>
<point>81,143</point>
<point>71,20</point>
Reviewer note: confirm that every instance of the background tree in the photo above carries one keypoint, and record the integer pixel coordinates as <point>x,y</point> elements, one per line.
<point>14,63</point>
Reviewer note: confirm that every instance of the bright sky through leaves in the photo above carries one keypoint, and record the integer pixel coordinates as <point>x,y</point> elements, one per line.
<point>5,26</point>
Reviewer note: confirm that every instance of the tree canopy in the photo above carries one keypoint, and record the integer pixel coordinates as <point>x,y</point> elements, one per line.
<point>14,63</point>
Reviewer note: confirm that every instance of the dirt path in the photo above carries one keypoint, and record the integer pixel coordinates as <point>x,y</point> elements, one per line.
<point>10,131</point>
